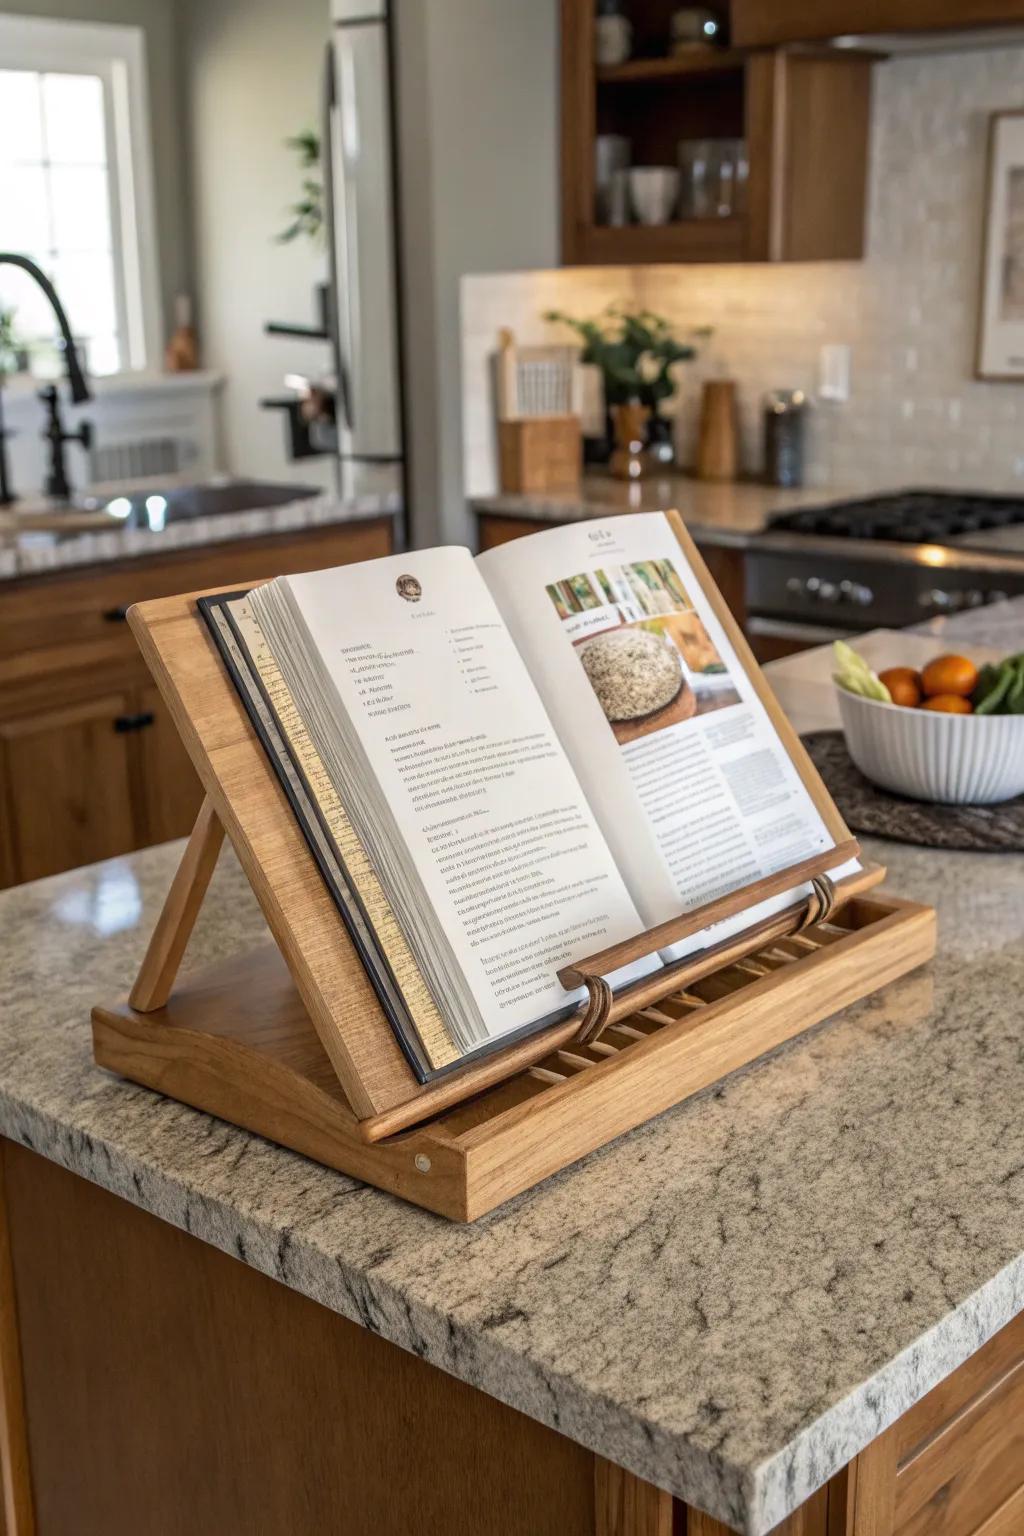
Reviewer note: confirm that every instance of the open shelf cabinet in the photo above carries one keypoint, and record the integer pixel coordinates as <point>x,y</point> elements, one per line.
<point>803,113</point>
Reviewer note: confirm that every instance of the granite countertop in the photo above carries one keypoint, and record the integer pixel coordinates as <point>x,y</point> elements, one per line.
<point>33,541</point>
<point>730,1302</point>
<point>724,512</point>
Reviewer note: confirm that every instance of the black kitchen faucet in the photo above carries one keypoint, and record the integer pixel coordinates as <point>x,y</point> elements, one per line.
<point>56,480</point>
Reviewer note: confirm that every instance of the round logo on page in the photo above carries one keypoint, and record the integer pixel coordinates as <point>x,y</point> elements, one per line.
<point>409,588</point>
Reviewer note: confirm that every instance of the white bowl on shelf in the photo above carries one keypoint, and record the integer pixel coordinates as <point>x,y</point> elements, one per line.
<point>927,755</point>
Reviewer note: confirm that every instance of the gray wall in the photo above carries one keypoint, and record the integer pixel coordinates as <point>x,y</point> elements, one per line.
<point>251,73</point>
<point>158,20</point>
<point>478,134</point>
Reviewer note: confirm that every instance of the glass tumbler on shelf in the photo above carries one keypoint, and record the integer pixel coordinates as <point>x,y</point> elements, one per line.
<point>731,180</point>
<point>696,175</point>
<point>714,177</point>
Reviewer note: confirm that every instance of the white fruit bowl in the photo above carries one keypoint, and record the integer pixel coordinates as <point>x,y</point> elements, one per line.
<point>950,759</point>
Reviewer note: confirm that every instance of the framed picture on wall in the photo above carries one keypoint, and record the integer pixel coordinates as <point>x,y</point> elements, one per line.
<point>1001,319</point>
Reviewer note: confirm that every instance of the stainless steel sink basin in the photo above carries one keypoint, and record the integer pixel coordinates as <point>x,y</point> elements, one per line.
<point>154,506</point>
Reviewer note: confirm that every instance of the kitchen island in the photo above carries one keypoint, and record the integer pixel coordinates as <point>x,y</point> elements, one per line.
<point>721,1312</point>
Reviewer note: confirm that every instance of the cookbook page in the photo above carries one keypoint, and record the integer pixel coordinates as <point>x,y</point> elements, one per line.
<point>514,869</point>
<point>690,783</point>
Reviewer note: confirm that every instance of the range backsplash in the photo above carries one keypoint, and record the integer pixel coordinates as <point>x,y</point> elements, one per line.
<point>908,311</point>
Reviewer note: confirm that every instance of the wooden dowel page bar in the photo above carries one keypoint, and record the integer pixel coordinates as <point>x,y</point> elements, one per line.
<point>682,973</point>
<point>689,923</point>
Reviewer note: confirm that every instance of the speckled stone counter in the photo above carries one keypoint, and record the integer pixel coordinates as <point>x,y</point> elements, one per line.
<point>730,1302</point>
<point>28,550</point>
<point>716,512</point>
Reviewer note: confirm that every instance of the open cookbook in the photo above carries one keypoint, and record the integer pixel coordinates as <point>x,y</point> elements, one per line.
<point>506,763</point>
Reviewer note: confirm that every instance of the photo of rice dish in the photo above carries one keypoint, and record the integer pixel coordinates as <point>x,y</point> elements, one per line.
<point>633,672</point>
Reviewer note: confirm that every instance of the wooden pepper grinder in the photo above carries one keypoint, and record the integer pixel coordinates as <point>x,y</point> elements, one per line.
<point>718,439</point>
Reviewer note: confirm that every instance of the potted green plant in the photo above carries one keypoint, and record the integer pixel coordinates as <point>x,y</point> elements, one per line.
<point>307,215</point>
<point>639,357</point>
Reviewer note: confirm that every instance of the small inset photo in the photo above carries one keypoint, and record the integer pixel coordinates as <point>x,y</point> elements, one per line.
<point>654,674</point>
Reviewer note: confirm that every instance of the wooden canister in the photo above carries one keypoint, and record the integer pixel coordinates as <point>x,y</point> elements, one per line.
<point>718,439</point>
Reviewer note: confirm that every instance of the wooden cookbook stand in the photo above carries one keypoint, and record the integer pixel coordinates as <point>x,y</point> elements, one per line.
<point>290,1040</point>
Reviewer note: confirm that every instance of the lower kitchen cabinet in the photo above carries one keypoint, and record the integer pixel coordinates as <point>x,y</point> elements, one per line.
<point>67,777</point>
<point>91,764</point>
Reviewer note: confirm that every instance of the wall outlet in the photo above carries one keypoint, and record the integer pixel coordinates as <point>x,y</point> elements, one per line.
<point>834,372</point>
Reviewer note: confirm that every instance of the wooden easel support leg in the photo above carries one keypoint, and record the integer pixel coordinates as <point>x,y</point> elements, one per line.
<point>175,923</point>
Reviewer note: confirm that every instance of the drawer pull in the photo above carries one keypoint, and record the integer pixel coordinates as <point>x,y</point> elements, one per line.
<point>139,722</point>
<point>117,615</point>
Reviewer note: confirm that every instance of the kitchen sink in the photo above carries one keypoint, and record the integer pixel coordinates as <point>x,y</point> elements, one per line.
<point>154,506</point>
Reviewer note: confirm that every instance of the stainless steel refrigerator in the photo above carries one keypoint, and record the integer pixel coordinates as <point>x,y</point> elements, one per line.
<point>362,229</point>
<point>442,159</point>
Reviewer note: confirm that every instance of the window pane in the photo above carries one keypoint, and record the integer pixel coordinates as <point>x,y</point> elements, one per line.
<point>32,315</point>
<point>73,112</point>
<point>20,122</point>
<point>24,223</point>
<point>80,208</point>
<point>86,287</point>
<point>102,354</point>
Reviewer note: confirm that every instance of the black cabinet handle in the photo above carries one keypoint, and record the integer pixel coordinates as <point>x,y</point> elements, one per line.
<point>125,723</point>
<point>117,615</point>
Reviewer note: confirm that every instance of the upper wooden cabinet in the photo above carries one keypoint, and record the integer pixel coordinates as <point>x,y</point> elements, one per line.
<point>805,117</point>
<point>765,23</point>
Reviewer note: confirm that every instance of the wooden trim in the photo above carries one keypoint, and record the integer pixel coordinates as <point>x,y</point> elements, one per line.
<point>577,127</point>
<point>15,1471</point>
<point>625,1505</point>
<point>765,23</point>
<point>174,925</point>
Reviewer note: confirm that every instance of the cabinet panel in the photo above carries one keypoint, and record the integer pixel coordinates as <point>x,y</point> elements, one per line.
<point>760,23</point>
<point>43,613</point>
<point>68,786</point>
<point>71,789</point>
<point>963,1476</point>
<point>169,790</point>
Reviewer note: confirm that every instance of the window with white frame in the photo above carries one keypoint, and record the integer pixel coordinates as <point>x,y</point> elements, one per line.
<point>76,189</point>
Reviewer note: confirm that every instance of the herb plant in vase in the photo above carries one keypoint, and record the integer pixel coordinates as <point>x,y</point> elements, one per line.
<point>639,358</point>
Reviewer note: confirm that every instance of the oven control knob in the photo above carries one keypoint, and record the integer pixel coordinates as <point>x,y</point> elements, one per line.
<point>857,592</point>
<point>973,598</point>
<point>828,592</point>
<point>795,585</point>
<point>936,598</point>
<point>997,597</point>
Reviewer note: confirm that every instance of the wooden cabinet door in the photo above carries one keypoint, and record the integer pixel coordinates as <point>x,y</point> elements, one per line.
<point>67,786</point>
<point>169,794</point>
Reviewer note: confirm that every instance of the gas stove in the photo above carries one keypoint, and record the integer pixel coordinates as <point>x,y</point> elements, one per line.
<point>906,517</point>
<point>887,561</point>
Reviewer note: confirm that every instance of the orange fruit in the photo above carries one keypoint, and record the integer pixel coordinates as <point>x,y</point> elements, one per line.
<point>904,684</point>
<point>949,704</point>
<point>949,674</point>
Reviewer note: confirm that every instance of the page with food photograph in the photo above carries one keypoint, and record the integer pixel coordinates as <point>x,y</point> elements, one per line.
<point>694,790</point>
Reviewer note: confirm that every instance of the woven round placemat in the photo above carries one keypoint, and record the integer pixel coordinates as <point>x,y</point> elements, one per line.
<point>866,808</point>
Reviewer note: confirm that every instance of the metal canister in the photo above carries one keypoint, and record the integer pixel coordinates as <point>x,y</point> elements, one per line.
<point>785,414</point>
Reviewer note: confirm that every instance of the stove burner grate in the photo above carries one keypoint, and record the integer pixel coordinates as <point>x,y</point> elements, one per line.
<point>908,517</point>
